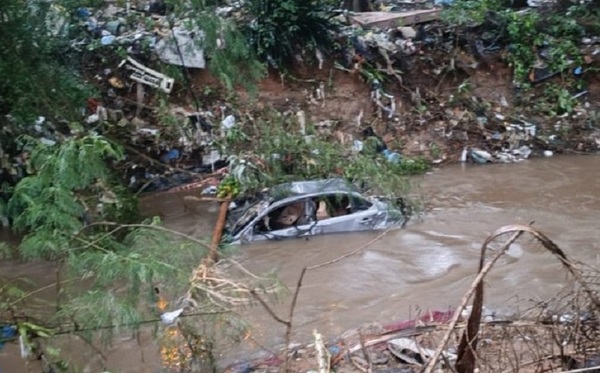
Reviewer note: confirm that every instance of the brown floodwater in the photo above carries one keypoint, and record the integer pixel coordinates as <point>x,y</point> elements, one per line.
<point>427,265</point>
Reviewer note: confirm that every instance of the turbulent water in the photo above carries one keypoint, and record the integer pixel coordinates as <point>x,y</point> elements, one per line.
<point>429,264</point>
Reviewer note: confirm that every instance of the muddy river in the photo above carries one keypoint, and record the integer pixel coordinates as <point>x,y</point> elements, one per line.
<point>429,264</point>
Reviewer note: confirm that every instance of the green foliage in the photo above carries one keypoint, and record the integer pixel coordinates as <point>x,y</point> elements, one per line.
<point>381,176</point>
<point>70,206</point>
<point>231,60</point>
<point>525,34</point>
<point>10,294</point>
<point>50,199</point>
<point>525,38</point>
<point>555,99</point>
<point>109,271</point>
<point>285,155</point>
<point>119,264</point>
<point>37,70</point>
<point>564,26</point>
<point>27,330</point>
<point>278,29</point>
<point>97,308</point>
<point>530,31</point>
<point>559,35</point>
<point>281,153</point>
<point>73,4</point>
<point>5,251</point>
<point>469,12</point>
<point>228,187</point>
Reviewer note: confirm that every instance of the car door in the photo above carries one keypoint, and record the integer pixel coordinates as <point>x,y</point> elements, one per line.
<point>338,223</point>
<point>365,214</point>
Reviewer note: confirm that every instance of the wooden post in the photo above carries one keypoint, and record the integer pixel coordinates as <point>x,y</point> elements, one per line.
<point>218,230</point>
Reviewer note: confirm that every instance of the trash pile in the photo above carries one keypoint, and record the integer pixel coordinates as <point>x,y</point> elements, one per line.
<point>134,100</point>
<point>407,346</point>
<point>397,41</point>
<point>134,95</point>
<point>507,139</point>
<point>172,139</point>
<point>389,347</point>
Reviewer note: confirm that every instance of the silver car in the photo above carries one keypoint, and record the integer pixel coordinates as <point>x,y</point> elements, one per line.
<point>308,208</point>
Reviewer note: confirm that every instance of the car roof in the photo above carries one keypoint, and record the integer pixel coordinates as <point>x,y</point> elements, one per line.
<point>296,188</point>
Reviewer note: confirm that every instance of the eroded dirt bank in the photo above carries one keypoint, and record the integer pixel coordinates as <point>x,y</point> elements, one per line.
<point>438,113</point>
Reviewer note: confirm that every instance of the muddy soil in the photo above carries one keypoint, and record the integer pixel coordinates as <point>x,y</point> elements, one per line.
<point>433,119</point>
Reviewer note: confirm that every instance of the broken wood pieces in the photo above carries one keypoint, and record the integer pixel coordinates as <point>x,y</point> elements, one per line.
<point>385,20</point>
<point>409,351</point>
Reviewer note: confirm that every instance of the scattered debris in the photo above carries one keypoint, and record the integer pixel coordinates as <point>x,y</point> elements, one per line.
<point>400,42</point>
<point>182,47</point>
<point>410,352</point>
<point>147,76</point>
<point>169,318</point>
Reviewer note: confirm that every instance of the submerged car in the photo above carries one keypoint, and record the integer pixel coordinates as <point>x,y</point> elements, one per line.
<point>309,208</point>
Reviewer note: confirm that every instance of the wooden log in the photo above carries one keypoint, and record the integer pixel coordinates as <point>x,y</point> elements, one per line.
<point>218,231</point>
<point>385,20</point>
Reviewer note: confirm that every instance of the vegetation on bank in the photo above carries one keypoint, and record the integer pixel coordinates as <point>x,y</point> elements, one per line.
<point>540,42</point>
<point>74,208</point>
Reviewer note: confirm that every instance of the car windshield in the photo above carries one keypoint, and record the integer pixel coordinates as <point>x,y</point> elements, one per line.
<point>249,215</point>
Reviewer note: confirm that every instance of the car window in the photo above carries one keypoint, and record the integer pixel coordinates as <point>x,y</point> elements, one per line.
<point>339,204</point>
<point>359,203</point>
<point>295,213</point>
<point>342,204</point>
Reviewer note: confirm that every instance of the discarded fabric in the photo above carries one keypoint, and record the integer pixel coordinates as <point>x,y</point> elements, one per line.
<point>182,48</point>
<point>169,318</point>
<point>171,155</point>
<point>228,123</point>
<point>108,39</point>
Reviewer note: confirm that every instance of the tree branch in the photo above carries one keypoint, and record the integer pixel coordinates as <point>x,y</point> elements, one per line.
<point>148,226</point>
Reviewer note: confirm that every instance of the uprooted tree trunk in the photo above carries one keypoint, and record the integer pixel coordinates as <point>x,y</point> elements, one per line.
<point>467,358</point>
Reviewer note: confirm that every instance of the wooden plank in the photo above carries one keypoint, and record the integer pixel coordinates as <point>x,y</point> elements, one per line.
<point>386,20</point>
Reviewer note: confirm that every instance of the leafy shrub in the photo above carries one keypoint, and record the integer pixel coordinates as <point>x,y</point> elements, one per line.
<point>283,154</point>
<point>468,12</point>
<point>38,76</point>
<point>278,29</point>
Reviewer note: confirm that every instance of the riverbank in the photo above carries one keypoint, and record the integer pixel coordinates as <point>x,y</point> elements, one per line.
<point>473,116</point>
<point>462,84</point>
